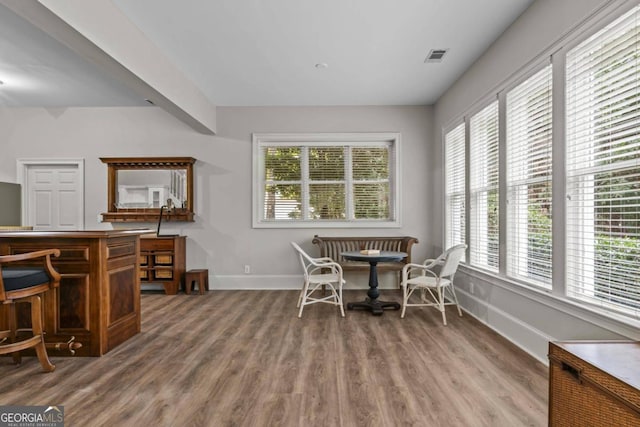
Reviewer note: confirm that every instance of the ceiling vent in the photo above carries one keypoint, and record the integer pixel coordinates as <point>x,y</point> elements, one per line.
<point>435,55</point>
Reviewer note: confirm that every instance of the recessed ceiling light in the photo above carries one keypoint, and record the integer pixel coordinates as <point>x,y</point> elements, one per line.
<point>322,65</point>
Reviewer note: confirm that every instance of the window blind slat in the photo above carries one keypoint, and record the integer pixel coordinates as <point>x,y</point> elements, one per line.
<point>455,222</point>
<point>484,244</point>
<point>603,167</point>
<point>529,168</point>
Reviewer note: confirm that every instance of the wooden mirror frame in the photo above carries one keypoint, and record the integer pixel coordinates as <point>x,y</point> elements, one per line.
<point>115,214</point>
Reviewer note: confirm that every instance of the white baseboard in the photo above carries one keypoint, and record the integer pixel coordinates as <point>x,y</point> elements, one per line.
<point>521,334</point>
<point>252,282</point>
<point>289,282</point>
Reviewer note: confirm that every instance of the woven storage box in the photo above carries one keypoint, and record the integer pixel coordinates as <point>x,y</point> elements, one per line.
<point>594,383</point>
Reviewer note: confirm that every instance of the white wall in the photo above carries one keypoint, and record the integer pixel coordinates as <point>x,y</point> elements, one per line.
<point>528,318</point>
<point>221,239</point>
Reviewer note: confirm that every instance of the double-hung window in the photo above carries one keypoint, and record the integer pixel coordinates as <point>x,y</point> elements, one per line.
<point>529,161</point>
<point>454,158</point>
<point>603,167</point>
<point>483,188</point>
<point>330,180</point>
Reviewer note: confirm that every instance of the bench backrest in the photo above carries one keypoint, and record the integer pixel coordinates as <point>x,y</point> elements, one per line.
<point>332,247</point>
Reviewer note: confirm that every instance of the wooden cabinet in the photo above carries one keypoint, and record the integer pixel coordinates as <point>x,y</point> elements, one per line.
<point>594,383</point>
<point>98,300</point>
<point>163,260</point>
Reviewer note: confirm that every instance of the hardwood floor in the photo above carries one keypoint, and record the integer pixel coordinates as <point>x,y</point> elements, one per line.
<point>243,358</point>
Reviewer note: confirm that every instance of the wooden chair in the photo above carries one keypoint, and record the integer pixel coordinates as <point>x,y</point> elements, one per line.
<point>25,284</point>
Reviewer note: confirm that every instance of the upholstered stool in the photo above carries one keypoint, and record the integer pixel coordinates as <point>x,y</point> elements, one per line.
<point>25,284</point>
<point>201,276</point>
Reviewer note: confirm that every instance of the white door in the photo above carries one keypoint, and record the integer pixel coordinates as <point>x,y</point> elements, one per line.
<point>53,196</point>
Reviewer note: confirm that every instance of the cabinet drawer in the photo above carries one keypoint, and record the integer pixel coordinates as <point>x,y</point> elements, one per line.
<point>163,259</point>
<point>156,244</point>
<point>163,274</point>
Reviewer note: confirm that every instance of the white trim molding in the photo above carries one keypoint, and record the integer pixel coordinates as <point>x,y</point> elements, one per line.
<point>22,168</point>
<point>391,139</point>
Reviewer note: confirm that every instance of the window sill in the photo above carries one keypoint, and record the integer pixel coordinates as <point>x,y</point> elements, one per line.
<point>327,224</point>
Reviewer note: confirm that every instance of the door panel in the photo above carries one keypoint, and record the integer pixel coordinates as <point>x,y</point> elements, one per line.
<point>54,195</point>
<point>43,209</point>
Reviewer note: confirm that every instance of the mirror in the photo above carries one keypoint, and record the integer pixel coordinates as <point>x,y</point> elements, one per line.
<point>139,187</point>
<point>151,188</point>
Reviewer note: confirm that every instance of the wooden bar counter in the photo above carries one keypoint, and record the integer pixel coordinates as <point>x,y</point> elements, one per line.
<point>98,301</point>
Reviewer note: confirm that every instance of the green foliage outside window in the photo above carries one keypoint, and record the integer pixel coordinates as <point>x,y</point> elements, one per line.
<point>326,182</point>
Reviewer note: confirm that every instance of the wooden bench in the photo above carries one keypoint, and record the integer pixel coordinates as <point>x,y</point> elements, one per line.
<point>333,247</point>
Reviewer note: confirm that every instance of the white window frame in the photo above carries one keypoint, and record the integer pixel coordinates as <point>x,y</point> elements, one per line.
<point>300,139</point>
<point>479,190</point>
<point>580,250</point>
<point>517,234</point>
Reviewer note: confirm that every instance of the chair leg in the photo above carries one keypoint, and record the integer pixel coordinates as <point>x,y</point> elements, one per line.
<point>340,300</point>
<point>441,305</point>
<point>13,327</point>
<point>455,299</point>
<point>303,298</point>
<point>36,326</point>
<point>300,296</point>
<point>404,301</point>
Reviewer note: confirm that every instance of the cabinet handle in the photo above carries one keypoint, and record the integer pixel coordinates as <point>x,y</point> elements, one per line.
<point>572,370</point>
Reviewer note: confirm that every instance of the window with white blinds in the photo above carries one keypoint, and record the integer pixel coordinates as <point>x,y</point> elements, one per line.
<point>529,165</point>
<point>325,179</point>
<point>603,167</point>
<point>454,176</point>
<point>483,188</point>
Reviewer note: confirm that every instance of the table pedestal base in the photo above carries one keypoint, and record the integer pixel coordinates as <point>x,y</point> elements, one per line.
<point>375,306</point>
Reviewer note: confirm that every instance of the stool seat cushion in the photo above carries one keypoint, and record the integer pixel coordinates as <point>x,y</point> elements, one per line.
<point>22,278</point>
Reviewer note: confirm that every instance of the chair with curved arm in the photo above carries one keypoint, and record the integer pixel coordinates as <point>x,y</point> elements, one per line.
<point>319,272</point>
<point>433,285</point>
<point>24,283</point>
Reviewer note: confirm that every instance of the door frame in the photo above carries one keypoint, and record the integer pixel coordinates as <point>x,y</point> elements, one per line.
<point>22,170</point>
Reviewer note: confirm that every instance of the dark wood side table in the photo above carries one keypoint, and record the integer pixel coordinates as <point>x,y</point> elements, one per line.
<point>372,303</point>
<point>163,260</point>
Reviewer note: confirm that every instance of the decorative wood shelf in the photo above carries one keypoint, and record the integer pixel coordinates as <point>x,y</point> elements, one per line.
<point>133,215</point>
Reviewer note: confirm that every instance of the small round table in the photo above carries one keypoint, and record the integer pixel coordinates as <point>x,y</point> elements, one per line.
<point>372,303</point>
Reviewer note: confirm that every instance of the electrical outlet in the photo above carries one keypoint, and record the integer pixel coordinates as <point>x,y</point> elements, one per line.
<point>247,269</point>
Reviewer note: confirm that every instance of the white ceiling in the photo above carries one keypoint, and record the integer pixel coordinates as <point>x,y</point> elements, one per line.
<point>263,52</point>
<point>38,71</point>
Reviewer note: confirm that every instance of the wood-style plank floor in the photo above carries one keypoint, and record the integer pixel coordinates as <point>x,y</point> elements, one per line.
<point>243,358</point>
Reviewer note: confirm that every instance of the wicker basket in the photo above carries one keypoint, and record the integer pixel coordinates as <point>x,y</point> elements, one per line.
<point>594,384</point>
